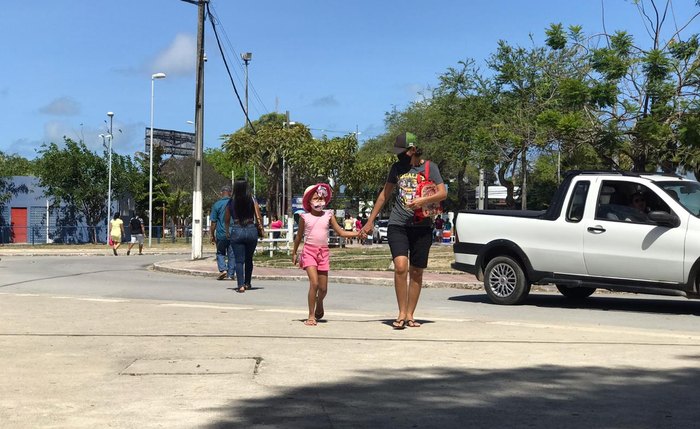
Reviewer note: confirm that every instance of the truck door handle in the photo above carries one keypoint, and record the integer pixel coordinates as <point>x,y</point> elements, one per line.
<point>596,229</point>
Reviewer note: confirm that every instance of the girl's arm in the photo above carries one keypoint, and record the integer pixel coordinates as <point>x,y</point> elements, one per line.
<point>122,228</point>
<point>340,231</point>
<point>297,240</point>
<point>381,199</point>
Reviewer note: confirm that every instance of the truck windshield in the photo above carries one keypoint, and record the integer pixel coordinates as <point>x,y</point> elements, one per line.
<point>687,193</point>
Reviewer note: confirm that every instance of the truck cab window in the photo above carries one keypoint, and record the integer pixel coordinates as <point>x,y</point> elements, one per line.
<point>574,213</point>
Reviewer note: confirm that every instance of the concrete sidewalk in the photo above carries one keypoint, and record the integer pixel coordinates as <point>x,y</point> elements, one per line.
<point>85,362</point>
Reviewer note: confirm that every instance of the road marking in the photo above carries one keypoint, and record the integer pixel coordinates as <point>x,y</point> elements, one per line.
<point>103,299</point>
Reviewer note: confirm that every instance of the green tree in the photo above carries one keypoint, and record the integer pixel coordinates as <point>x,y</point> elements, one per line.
<point>644,96</point>
<point>271,145</point>
<point>77,176</point>
<point>12,165</point>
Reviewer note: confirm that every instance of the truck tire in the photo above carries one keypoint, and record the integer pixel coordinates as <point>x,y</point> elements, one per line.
<point>505,282</point>
<point>575,292</point>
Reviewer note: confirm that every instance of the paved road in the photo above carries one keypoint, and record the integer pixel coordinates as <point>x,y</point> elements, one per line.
<point>94,342</point>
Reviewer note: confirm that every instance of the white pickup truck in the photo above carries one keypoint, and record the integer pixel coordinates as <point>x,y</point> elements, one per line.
<point>590,237</point>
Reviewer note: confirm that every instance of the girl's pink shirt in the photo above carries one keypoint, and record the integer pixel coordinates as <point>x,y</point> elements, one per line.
<point>316,228</point>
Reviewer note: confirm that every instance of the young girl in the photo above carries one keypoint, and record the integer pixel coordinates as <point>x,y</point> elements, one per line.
<point>315,257</point>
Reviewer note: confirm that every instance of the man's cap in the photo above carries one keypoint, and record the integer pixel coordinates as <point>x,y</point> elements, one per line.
<point>404,141</point>
<point>226,188</point>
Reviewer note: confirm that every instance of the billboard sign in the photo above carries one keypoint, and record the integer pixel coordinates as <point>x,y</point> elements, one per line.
<point>173,142</point>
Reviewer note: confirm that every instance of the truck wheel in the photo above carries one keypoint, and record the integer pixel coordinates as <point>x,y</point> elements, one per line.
<point>575,292</point>
<point>505,281</point>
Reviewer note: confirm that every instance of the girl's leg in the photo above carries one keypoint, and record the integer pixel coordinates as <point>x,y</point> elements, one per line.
<point>321,294</point>
<point>313,292</point>
<point>401,286</point>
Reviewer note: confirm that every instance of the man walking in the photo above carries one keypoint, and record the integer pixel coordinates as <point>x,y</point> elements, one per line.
<point>137,233</point>
<point>224,253</point>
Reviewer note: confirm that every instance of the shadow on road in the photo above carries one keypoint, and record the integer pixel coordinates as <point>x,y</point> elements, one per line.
<point>543,397</point>
<point>602,302</point>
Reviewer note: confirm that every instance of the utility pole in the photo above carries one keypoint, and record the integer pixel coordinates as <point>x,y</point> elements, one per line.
<point>199,138</point>
<point>290,212</point>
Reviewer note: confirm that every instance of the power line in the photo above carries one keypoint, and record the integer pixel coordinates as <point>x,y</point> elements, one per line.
<point>237,59</point>
<point>228,70</point>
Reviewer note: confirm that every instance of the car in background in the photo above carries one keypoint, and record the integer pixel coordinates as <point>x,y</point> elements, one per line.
<point>380,227</point>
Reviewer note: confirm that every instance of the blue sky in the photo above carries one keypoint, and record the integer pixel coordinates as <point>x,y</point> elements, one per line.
<point>335,65</point>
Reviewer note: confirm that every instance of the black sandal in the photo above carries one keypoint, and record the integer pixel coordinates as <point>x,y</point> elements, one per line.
<point>412,324</point>
<point>241,289</point>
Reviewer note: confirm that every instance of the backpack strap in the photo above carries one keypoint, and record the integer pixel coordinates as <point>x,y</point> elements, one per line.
<point>427,170</point>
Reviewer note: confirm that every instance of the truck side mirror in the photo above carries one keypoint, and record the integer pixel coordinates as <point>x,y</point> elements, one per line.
<point>664,219</point>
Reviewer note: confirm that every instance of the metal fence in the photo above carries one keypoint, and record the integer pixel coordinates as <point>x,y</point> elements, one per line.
<point>40,234</point>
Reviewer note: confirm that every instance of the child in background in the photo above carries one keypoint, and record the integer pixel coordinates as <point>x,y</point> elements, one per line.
<point>315,257</point>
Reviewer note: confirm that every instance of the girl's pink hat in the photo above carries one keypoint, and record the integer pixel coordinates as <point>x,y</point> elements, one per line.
<point>323,189</point>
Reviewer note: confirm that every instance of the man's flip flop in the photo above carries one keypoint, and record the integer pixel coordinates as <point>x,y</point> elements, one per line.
<point>310,322</point>
<point>399,324</point>
<point>413,324</point>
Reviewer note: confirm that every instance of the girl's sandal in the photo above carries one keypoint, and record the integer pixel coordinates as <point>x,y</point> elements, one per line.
<point>413,324</point>
<point>241,289</point>
<point>310,322</point>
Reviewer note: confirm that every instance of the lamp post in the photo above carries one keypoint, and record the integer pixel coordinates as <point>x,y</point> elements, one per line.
<point>246,57</point>
<point>108,146</point>
<point>109,186</point>
<point>150,161</point>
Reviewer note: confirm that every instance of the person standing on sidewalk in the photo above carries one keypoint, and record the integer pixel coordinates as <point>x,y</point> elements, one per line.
<point>137,234</point>
<point>224,253</point>
<point>243,221</point>
<point>116,231</point>
<point>409,239</point>
<point>315,257</point>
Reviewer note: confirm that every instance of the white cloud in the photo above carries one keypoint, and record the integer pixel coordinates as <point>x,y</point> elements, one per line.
<point>63,106</point>
<point>178,59</point>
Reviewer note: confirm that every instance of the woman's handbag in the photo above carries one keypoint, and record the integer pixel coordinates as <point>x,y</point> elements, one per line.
<point>261,230</point>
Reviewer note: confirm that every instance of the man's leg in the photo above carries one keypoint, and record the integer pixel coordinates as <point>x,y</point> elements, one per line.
<point>401,285</point>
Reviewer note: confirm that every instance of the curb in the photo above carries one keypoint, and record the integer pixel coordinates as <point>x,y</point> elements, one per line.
<point>339,278</point>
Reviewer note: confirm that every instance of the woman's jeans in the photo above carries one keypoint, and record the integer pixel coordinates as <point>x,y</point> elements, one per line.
<point>244,239</point>
<point>224,256</point>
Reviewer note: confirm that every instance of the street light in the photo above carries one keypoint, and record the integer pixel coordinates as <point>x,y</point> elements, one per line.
<point>109,186</point>
<point>246,57</point>
<point>109,189</point>
<point>150,161</point>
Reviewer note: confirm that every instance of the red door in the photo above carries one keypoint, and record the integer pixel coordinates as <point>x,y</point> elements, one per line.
<point>18,217</point>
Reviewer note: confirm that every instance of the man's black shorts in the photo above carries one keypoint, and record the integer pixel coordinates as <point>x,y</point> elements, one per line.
<point>411,241</point>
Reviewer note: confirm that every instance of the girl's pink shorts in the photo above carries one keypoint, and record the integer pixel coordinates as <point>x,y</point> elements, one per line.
<point>315,256</point>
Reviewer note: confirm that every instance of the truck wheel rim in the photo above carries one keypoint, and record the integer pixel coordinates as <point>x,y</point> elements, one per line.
<point>502,280</point>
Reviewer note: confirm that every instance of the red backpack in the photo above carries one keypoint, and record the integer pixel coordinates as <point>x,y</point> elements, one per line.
<point>426,188</point>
